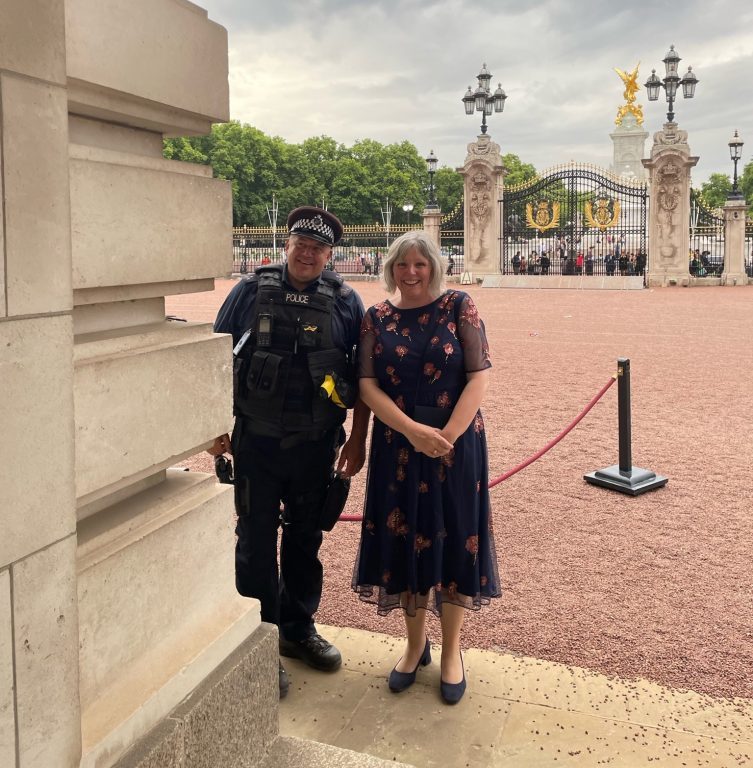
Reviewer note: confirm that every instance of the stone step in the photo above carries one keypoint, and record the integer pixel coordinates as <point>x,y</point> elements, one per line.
<point>291,752</point>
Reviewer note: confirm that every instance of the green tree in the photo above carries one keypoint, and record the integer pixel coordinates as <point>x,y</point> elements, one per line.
<point>353,182</point>
<point>517,170</point>
<point>448,184</point>
<point>716,190</point>
<point>746,185</point>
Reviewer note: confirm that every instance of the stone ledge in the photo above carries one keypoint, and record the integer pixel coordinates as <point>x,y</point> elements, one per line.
<point>290,752</point>
<point>569,282</point>
<point>228,721</point>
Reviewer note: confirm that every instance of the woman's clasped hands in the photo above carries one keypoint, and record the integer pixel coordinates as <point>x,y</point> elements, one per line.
<point>429,440</point>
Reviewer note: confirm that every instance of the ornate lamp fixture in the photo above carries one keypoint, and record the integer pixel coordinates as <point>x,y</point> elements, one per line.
<point>431,166</point>
<point>482,99</point>
<point>670,82</point>
<point>407,208</point>
<point>735,152</point>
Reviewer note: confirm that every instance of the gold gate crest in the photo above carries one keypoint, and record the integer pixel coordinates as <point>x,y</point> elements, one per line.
<point>603,217</point>
<point>547,215</point>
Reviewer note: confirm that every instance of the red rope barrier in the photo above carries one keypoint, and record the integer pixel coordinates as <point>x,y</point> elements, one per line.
<point>552,443</point>
<point>537,455</point>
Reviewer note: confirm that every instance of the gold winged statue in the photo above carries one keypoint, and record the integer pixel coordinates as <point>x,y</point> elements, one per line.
<point>630,79</point>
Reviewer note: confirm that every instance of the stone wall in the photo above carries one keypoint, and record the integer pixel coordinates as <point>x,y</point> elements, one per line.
<point>116,589</point>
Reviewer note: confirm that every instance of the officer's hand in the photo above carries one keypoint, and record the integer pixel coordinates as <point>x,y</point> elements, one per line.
<point>220,445</point>
<point>352,457</point>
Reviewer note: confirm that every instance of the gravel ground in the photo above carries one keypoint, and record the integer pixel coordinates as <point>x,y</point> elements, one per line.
<point>658,586</point>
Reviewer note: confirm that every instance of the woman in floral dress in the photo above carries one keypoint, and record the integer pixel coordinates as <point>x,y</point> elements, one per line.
<point>426,538</point>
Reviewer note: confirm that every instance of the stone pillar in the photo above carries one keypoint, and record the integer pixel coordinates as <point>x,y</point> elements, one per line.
<point>432,223</point>
<point>39,700</point>
<point>734,243</point>
<point>483,175</point>
<point>629,141</point>
<point>669,236</point>
<point>116,587</point>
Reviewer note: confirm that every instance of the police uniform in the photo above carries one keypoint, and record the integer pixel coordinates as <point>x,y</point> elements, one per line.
<point>287,431</point>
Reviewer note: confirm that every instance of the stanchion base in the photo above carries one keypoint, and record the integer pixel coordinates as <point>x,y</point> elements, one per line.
<point>634,482</point>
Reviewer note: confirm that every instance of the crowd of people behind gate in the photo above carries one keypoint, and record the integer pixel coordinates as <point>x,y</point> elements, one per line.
<point>609,256</point>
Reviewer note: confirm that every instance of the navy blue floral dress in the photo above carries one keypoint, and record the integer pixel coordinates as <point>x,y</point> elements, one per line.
<point>426,535</point>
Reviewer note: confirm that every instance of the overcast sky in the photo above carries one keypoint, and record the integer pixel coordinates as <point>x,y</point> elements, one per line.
<point>396,69</point>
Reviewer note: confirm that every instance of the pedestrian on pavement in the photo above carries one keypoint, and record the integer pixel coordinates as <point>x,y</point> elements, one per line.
<point>426,542</point>
<point>293,325</point>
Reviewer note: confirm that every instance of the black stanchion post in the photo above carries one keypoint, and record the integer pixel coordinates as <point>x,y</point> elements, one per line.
<point>623,413</point>
<point>624,477</point>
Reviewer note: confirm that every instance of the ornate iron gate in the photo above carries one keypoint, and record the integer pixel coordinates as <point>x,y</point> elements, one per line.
<point>451,237</point>
<point>575,220</point>
<point>706,239</point>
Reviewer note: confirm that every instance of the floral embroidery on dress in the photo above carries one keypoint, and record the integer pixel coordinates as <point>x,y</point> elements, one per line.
<point>382,310</point>
<point>443,400</point>
<point>423,487</point>
<point>386,576</point>
<point>391,327</point>
<point>432,372</point>
<point>406,332</point>
<point>478,423</point>
<point>420,543</point>
<point>388,434</point>
<point>396,522</point>
<point>394,378</point>
<point>423,320</point>
<point>401,351</point>
<point>471,544</point>
<point>449,458</point>
<point>400,473</point>
<point>448,349</point>
<point>403,456</point>
<point>470,314</point>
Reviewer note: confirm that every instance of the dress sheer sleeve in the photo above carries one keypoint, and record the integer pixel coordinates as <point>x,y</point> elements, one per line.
<point>366,346</point>
<point>472,336</point>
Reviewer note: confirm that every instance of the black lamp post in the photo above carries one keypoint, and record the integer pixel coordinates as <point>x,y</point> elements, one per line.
<point>407,208</point>
<point>670,82</point>
<point>736,153</point>
<point>482,99</point>
<point>431,166</point>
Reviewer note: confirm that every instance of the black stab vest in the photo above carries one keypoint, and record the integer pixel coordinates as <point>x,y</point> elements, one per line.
<point>276,380</point>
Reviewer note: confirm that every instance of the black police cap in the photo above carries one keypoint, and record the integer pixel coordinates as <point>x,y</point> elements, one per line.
<point>316,223</point>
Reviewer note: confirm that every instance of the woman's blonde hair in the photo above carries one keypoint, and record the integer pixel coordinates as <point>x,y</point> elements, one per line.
<point>419,240</point>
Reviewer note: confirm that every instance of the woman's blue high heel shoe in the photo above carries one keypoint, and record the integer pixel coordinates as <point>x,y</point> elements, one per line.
<point>399,681</point>
<point>453,692</point>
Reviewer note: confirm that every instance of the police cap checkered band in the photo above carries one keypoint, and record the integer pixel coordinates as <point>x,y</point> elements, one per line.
<point>315,223</point>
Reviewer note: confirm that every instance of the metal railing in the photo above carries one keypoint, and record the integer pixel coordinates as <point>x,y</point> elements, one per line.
<point>361,251</point>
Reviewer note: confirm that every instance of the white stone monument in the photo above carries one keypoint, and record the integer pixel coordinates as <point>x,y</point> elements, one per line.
<point>629,141</point>
<point>629,138</point>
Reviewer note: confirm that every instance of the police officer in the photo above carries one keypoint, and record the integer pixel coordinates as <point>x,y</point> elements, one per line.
<point>294,326</point>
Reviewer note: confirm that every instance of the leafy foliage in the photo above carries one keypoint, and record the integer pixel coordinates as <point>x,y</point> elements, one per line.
<point>715,190</point>
<point>353,182</point>
<point>517,170</point>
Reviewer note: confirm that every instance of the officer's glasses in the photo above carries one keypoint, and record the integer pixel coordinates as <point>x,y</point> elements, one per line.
<point>310,246</point>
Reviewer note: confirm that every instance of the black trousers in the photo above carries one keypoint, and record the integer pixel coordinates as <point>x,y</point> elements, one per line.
<point>267,476</point>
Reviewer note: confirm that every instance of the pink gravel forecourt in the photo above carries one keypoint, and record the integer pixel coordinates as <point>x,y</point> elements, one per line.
<point>657,586</point>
